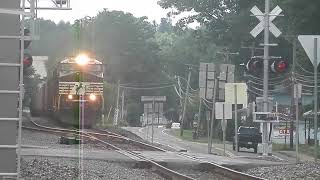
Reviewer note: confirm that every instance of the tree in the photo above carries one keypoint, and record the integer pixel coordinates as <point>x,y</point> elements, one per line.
<point>31,81</point>
<point>165,25</point>
<point>56,42</point>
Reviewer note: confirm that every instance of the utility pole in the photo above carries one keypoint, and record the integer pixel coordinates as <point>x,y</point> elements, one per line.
<point>266,75</point>
<point>227,54</point>
<point>213,113</point>
<point>236,117</point>
<point>315,99</point>
<point>117,106</point>
<point>294,44</point>
<point>185,103</point>
<point>180,100</point>
<point>158,113</point>
<point>122,106</point>
<point>253,48</point>
<point>199,117</point>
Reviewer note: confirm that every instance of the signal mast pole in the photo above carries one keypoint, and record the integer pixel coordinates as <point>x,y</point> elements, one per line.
<point>265,75</point>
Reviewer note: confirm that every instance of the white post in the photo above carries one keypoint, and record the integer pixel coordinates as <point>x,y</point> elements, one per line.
<point>315,93</point>
<point>153,117</point>
<point>297,124</point>
<point>236,116</point>
<point>224,126</point>
<point>115,123</point>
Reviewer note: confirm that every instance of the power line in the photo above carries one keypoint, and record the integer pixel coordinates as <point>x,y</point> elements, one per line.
<point>207,100</point>
<point>175,88</point>
<point>205,103</point>
<point>271,79</point>
<point>270,84</point>
<point>258,94</point>
<point>186,80</point>
<point>146,88</point>
<point>144,84</point>
<point>180,88</point>
<point>306,71</point>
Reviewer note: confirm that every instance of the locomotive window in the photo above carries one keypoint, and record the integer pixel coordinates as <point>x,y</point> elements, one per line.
<point>68,67</point>
<point>94,68</point>
<point>74,67</point>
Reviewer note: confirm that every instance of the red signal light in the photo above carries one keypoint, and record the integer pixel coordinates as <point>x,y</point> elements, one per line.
<point>279,66</point>
<point>282,66</point>
<point>27,61</point>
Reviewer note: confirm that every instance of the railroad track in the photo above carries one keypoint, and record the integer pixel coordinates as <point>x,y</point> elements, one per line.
<point>100,136</point>
<point>96,136</point>
<point>95,132</point>
<point>221,170</point>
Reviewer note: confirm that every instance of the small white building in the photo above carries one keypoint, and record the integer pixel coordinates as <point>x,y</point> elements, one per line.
<point>39,65</point>
<point>153,115</point>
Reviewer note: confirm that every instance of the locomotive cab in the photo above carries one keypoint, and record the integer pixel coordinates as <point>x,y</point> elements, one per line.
<point>72,80</point>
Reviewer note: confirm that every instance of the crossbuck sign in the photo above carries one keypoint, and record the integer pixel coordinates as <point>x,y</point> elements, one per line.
<point>260,27</point>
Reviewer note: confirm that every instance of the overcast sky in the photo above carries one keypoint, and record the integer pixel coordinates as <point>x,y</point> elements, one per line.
<point>81,8</point>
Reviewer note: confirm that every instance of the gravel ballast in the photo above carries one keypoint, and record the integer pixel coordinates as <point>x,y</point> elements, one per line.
<point>201,175</point>
<point>35,138</point>
<point>307,170</point>
<point>65,168</point>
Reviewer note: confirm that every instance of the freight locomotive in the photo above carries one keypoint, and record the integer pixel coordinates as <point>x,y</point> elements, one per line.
<point>76,81</point>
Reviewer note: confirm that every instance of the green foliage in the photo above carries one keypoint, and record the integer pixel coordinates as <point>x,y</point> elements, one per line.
<point>30,80</point>
<point>134,112</point>
<point>125,44</point>
<point>138,52</point>
<point>55,42</point>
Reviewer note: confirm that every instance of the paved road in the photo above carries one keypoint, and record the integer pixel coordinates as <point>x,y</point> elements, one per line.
<point>162,136</point>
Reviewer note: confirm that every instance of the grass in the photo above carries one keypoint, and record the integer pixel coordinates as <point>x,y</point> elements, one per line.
<point>303,148</point>
<point>107,125</point>
<point>309,150</point>
<point>188,136</point>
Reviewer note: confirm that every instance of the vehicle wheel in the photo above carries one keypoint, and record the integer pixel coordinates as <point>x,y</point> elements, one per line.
<point>255,149</point>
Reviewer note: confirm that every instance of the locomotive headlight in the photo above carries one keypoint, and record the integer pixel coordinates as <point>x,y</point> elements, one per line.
<point>82,59</point>
<point>70,97</point>
<point>92,97</point>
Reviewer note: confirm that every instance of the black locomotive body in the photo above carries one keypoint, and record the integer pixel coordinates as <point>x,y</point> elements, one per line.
<point>75,90</point>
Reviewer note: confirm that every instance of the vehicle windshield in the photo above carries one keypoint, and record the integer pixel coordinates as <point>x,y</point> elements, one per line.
<point>243,130</point>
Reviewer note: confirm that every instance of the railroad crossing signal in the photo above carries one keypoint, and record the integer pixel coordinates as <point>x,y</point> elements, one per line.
<point>260,27</point>
<point>276,65</point>
<point>279,66</point>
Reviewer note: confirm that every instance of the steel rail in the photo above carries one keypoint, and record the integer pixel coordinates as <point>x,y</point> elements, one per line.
<point>162,170</point>
<point>106,134</point>
<point>221,170</point>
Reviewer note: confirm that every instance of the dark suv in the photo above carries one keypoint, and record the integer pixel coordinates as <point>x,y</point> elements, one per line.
<point>248,137</point>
